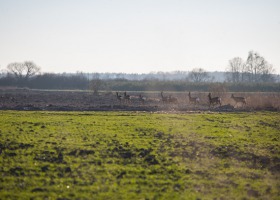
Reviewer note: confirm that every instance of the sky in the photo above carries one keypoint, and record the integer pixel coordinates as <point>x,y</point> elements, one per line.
<point>137,36</point>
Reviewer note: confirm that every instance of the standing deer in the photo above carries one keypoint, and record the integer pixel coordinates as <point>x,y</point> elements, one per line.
<point>163,98</point>
<point>172,99</point>
<point>168,99</point>
<point>214,100</point>
<point>142,99</point>
<point>239,100</point>
<point>194,100</point>
<point>119,97</point>
<point>126,97</point>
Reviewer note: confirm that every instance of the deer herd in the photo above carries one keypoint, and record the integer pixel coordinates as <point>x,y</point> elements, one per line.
<point>212,101</point>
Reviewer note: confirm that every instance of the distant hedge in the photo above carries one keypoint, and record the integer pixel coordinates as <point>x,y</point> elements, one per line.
<point>152,85</point>
<point>79,81</point>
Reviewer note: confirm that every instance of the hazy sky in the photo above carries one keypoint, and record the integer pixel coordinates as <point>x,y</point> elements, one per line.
<point>137,35</point>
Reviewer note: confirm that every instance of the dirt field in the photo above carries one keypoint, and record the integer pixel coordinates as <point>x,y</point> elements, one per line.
<point>25,99</point>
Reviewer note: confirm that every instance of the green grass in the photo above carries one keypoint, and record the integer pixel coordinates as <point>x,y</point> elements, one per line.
<point>137,155</point>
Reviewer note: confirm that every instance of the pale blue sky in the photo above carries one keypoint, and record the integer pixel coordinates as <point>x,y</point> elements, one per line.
<point>137,35</point>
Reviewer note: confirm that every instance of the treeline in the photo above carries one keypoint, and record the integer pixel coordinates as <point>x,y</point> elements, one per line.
<point>48,81</point>
<point>81,81</point>
<point>181,85</point>
<point>254,74</point>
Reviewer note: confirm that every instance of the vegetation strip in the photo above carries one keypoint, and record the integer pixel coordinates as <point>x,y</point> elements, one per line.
<point>139,155</point>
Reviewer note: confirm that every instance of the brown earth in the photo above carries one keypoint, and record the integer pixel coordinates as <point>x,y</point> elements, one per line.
<point>25,99</point>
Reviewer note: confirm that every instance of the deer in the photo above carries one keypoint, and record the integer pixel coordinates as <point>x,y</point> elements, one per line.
<point>142,99</point>
<point>168,99</point>
<point>163,98</point>
<point>214,100</point>
<point>194,100</point>
<point>239,100</point>
<point>172,99</point>
<point>126,97</point>
<point>119,97</point>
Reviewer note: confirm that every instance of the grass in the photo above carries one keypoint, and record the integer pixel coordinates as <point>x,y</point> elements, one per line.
<point>138,155</point>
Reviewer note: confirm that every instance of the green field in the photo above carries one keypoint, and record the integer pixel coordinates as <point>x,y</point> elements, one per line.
<point>138,155</point>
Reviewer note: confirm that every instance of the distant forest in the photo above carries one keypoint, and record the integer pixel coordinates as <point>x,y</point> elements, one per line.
<point>254,74</point>
<point>159,81</point>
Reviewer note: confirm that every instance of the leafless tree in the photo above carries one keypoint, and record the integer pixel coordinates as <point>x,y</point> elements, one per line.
<point>255,69</point>
<point>23,71</point>
<point>254,66</point>
<point>235,70</point>
<point>95,84</point>
<point>199,75</point>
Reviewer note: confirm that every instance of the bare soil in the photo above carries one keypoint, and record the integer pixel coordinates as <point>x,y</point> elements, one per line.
<point>25,99</point>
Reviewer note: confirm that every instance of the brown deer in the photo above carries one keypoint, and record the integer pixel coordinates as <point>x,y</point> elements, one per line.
<point>119,97</point>
<point>142,99</point>
<point>194,100</point>
<point>126,97</point>
<point>172,99</point>
<point>168,99</point>
<point>214,100</point>
<point>163,98</point>
<point>239,100</point>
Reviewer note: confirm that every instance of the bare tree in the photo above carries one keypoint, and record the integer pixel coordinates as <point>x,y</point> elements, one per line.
<point>235,70</point>
<point>255,69</point>
<point>95,83</point>
<point>258,69</point>
<point>199,75</point>
<point>23,71</point>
